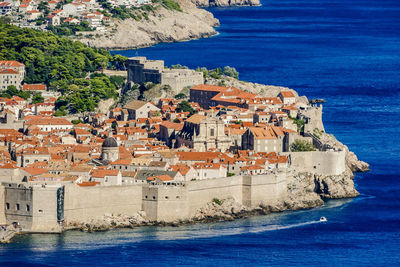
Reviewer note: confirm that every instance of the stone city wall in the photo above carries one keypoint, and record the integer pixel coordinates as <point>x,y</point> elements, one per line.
<point>88,203</point>
<point>321,162</point>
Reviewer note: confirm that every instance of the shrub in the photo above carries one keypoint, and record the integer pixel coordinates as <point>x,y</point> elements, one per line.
<point>301,145</point>
<point>217,201</point>
<point>231,72</point>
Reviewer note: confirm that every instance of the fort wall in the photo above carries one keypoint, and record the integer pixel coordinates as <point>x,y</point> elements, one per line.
<point>165,203</point>
<point>203,191</point>
<point>88,203</point>
<point>321,162</point>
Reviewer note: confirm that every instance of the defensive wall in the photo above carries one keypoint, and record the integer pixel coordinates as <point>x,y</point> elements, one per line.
<point>51,205</point>
<point>321,162</point>
<point>169,203</point>
<point>87,203</point>
<point>35,208</point>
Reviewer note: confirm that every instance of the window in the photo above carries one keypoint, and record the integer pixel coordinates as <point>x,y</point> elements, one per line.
<point>17,206</point>
<point>28,208</point>
<point>40,211</point>
<point>7,206</point>
<point>154,197</point>
<point>212,132</point>
<point>145,197</point>
<point>166,197</point>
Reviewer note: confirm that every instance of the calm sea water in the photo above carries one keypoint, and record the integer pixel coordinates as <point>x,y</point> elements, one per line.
<point>344,51</point>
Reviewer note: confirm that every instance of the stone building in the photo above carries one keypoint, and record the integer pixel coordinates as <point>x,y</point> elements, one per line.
<point>270,139</point>
<point>139,109</point>
<point>203,133</point>
<point>141,70</point>
<point>168,132</point>
<point>181,78</point>
<point>11,73</point>
<point>35,208</point>
<point>110,150</point>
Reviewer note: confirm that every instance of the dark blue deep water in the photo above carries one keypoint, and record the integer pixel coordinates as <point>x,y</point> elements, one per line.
<point>346,51</point>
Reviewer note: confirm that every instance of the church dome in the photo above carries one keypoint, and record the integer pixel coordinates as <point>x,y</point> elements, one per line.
<point>110,142</point>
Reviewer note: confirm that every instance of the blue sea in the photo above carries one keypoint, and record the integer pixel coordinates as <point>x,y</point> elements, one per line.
<point>347,52</point>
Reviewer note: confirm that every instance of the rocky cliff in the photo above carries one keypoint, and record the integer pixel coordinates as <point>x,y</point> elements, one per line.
<point>206,3</point>
<point>352,162</point>
<point>163,25</point>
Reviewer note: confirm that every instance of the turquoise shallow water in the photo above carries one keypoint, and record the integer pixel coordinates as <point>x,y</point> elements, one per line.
<point>343,51</point>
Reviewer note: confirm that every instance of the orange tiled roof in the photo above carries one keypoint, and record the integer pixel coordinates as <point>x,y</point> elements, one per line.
<point>34,87</point>
<point>11,63</point>
<point>160,177</point>
<point>287,94</point>
<point>99,173</point>
<point>8,71</point>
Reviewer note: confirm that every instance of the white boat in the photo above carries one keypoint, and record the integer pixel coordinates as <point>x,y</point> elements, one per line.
<point>323,219</point>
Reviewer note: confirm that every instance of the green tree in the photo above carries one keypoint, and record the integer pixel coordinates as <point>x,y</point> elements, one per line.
<point>302,145</point>
<point>185,107</point>
<point>38,98</point>
<point>232,72</point>
<point>180,96</point>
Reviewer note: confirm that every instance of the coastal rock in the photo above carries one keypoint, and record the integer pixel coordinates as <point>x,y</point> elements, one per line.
<point>163,25</point>
<point>228,210</point>
<point>352,162</point>
<point>335,186</point>
<point>206,3</point>
<point>110,221</point>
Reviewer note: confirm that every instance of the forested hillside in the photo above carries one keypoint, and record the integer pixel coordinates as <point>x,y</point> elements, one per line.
<point>62,64</point>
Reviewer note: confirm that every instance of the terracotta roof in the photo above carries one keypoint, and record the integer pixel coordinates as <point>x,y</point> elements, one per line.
<point>262,133</point>
<point>8,71</point>
<point>213,88</point>
<point>172,125</point>
<point>99,173</point>
<point>206,165</point>
<point>122,162</point>
<point>88,183</point>
<point>135,104</point>
<point>252,167</point>
<point>48,121</point>
<point>160,177</point>
<point>34,87</point>
<point>287,94</point>
<point>34,171</point>
<point>196,118</point>
<point>182,169</point>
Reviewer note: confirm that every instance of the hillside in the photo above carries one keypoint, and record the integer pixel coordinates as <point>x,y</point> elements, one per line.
<point>62,64</point>
<point>160,25</point>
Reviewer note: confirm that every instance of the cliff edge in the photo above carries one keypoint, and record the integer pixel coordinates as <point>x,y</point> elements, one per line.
<point>162,26</point>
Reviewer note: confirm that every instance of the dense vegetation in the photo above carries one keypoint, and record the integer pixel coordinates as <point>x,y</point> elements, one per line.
<point>184,106</point>
<point>137,13</point>
<point>13,91</point>
<point>66,29</point>
<point>62,64</point>
<point>301,145</point>
<point>218,72</point>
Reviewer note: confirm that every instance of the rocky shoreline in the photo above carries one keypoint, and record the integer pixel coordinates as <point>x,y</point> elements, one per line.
<point>162,26</point>
<point>304,191</point>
